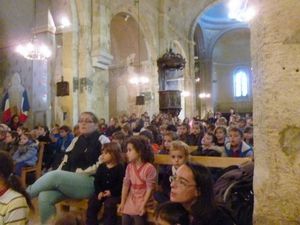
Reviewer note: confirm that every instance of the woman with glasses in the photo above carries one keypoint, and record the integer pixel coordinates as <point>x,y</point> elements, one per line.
<point>192,187</point>
<point>72,180</point>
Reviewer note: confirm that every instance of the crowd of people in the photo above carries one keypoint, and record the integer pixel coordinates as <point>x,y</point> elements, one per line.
<point>112,166</point>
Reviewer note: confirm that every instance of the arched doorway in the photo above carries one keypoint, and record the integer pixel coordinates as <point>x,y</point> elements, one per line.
<point>231,55</point>
<point>128,72</point>
<point>213,52</point>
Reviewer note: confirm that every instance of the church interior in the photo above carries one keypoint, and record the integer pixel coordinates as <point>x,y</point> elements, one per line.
<point>193,60</point>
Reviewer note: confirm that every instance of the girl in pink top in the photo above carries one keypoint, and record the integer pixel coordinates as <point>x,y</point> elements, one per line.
<point>139,181</point>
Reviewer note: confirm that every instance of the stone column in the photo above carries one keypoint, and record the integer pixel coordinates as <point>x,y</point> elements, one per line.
<point>101,58</point>
<point>86,70</point>
<point>42,93</point>
<point>74,89</point>
<point>205,86</point>
<point>276,81</point>
<point>189,81</point>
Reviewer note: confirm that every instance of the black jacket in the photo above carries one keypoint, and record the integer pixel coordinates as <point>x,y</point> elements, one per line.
<point>85,153</point>
<point>109,179</point>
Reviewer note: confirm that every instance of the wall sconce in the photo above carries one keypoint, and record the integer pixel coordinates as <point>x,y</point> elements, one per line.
<point>86,84</point>
<point>185,93</point>
<point>204,95</point>
<point>75,84</point>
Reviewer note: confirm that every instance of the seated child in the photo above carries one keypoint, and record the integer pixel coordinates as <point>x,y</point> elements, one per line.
<point>196,135</point>
<point>26,154</point>
<point>11,142</point>
<point>179,153</point>
<point>138,183</point>
<point>108,186</point>
<point>63,140</point>
<point>209,147</point>
<point>221,135</point>
<point>236,147</point>
<point>167,139</point>
<point>3,131</point>
<point>171,213</point>
<point>248,136</point>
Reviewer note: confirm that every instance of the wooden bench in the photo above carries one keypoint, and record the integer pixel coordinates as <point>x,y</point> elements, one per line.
<point>208,161</point>
<point>37,169</point>
<point>217,162</point>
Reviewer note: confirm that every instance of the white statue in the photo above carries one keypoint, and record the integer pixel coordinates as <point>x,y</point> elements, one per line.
<point>15,92</point>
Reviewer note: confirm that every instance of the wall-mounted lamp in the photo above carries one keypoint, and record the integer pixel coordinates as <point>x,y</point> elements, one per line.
<point>139,80</point>
<point>64,22</point>
<point>126,17</point>
<point>185,93</point>
<point>204,95</point>
<point>86,83</point>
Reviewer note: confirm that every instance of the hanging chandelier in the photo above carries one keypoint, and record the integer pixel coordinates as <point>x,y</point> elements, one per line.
<point>240,10</point>
<point>34,50</point>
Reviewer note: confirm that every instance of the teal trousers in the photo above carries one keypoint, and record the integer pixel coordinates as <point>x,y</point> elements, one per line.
<point>56,186</point>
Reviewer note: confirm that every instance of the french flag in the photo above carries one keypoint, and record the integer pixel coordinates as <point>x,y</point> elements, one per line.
<point>24,107</point>
<point>6,116</point>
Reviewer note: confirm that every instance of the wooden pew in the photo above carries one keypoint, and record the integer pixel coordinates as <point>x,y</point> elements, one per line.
<point>208,161</point>
<point>36,169</point>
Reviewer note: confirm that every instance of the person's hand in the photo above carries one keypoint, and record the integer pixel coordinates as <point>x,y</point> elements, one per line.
<point>142,210</point>
<point>106,193</point>
<point>100,195</point>
<point>79,170</point>
<point>121,208</point>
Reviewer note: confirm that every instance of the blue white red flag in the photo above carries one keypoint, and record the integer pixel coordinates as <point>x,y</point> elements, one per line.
<point>24,107</point>
<point>6,116</point>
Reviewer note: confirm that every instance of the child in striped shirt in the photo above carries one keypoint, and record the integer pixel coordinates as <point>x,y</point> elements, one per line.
<point>14,201</point>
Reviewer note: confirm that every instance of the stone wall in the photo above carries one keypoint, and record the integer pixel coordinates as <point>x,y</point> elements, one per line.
<point>275,49</point>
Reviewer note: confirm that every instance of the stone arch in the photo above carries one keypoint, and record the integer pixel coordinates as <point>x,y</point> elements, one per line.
<point>221,34</point>
<point>135,39</point>
<point>231,51</point>
<point>207,68</point>
<point>150,40</point>
<point>194,22</point>
<point>152,44</point>
<point>210,44</point>
<point>132,56</point>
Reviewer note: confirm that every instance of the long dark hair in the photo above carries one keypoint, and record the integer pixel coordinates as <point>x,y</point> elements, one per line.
<point>143,147</point>
<point>205,204</point>
<point>11,180</point>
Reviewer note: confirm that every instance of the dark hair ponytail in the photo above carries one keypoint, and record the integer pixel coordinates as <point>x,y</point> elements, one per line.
<point>11,180</point>
<point>14,183</point>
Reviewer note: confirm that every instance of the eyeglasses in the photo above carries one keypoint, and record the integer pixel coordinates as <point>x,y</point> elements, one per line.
<point>85,121</point>
<point>180,181</point>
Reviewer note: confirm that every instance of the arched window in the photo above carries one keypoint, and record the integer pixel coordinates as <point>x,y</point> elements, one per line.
<point>240,83</point>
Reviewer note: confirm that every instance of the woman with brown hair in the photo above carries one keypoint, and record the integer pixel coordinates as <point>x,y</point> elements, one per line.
<point>74,177</point>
